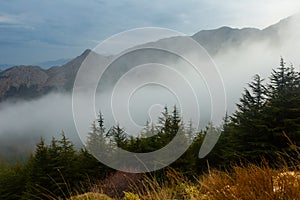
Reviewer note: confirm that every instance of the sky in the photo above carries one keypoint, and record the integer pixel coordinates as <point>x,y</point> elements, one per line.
<point>34,31</point>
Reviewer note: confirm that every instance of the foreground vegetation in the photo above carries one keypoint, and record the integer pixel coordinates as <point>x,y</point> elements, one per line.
<point>256,157</point>
<point>244,182</point>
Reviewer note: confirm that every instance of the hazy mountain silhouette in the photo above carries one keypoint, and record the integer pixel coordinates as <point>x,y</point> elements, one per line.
<point>23,82</point>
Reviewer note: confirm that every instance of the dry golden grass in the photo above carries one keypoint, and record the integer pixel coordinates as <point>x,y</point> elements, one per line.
<point>252,182</point>
<point>244,182</point>
<point>247,183</point>
<point>260,182</point>
<point>91,196</point>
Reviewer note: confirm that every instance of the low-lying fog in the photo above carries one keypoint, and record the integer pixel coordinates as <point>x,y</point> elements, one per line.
<point>23,123</point>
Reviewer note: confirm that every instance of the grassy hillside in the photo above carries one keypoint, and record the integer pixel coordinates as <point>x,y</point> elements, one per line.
<point>247,182</point>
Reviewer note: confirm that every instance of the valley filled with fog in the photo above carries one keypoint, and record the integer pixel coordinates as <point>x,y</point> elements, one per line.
<point>23,122</point>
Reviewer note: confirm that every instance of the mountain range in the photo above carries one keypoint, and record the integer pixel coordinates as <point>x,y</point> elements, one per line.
<point>44,65</point>
<point>26,82</point>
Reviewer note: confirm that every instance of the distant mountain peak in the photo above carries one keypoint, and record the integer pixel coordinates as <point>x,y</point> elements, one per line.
<point>86,52</point>
<point>19,81</point>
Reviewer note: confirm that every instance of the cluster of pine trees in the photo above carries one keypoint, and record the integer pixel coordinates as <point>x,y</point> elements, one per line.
<point>267,122</point>
<point>54,170</point>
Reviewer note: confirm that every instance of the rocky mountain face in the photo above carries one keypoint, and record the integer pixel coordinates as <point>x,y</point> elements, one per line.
<point>25,82</point>
<point>32,81</point>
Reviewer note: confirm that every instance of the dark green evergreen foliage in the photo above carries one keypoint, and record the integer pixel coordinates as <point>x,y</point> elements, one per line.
<point>151,138</point>
<point>51,170</point>
<point>265,113</point>
<point>54,170</point>
<point>266,116</point>
<point>248,133</point>
<point>12,181</point>
<point>90,169</point>
<point>118,136</point>
<point>283,110</point>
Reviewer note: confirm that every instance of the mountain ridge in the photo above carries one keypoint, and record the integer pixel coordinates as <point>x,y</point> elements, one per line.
<point>27,82</point>
<point>32,81</point>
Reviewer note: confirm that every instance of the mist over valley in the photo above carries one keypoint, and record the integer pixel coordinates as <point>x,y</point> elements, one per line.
<point>37,102</point>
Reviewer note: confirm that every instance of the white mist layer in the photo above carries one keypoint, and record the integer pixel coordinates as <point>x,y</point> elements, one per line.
<point>52,114</point>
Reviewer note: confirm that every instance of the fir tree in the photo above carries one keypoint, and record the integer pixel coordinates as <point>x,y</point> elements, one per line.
<point>283,111</point>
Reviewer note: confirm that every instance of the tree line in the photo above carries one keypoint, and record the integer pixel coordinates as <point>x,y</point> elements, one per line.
<point>265,125</point>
